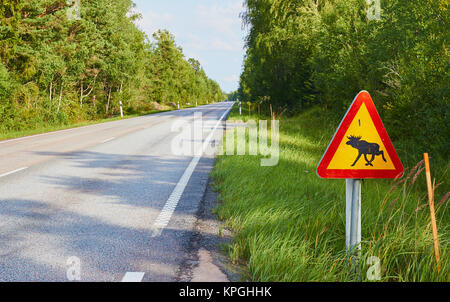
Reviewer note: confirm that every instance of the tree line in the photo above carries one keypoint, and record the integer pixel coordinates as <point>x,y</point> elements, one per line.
<point>303,53</point>
<point>55,69</point>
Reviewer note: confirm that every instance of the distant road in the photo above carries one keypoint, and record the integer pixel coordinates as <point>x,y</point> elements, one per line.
<point>113,195</point>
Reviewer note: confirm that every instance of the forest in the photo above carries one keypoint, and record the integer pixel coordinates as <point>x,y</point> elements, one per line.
<point>59,70</point>
<point>305,61</point>
<point>321,53</point>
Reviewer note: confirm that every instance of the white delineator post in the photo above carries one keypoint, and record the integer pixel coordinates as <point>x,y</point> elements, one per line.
<point>121,109</point>
<point>240,109</point>
<point>353,216</point>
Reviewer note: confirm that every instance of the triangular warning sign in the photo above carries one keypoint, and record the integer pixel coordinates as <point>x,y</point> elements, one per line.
<point>361,147</point>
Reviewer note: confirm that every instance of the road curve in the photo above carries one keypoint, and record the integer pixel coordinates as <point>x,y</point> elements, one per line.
<point>94,193</point>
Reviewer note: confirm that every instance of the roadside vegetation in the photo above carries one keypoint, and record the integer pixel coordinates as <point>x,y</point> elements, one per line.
<point>289,224</point>
<point>304,53</point>
<point>56,70</point>
<point>306,61</point>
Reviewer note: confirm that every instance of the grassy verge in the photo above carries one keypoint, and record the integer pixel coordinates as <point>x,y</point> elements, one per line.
<point>44,129</point>
<point>289,224</point>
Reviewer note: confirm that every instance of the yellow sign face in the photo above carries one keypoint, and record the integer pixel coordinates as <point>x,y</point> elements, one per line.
<point>361,127</point>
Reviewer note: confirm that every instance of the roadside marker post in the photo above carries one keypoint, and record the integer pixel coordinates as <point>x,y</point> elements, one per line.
<point>432,211</point>
<point>360,149</point>
<point>121,110</point>
<point>240,108</point>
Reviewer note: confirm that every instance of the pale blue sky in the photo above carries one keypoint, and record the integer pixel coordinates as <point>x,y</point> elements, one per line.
<point>207,30</point>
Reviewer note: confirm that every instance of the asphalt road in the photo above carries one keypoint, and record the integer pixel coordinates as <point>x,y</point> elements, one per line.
<point>95,193</point>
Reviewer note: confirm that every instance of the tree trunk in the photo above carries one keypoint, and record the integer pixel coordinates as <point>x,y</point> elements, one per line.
<point>81,94</point>
<point>51,90</point>
<point>60,98</point>
<point>109,99</point>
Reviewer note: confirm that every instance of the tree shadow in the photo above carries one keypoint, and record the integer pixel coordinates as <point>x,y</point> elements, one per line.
<point>38,248</point>
<point>39,234</point>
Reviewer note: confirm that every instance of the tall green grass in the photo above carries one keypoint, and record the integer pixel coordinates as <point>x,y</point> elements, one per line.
<point>289,224</point>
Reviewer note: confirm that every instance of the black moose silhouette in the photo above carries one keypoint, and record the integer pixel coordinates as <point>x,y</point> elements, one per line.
<point>366,149</point>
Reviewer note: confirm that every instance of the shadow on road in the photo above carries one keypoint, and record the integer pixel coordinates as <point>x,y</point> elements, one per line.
<point>74,214</point>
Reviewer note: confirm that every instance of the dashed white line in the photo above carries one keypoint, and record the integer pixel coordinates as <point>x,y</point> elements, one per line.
<point>108,140</point>
<point>166,214</point>
<point>133,277</point>
<point>12,172</point>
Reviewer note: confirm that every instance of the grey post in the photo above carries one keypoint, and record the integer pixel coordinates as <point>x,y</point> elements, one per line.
<point>353,215</point>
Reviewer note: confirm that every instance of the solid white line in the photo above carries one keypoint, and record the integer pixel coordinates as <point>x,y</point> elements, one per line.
<point>87,126</point>
<point>133,277</point>
<point>47,133</point>
<point>108,140</point>
<point>166,214</point>
<point>12,172</point>
<point>107,123</point>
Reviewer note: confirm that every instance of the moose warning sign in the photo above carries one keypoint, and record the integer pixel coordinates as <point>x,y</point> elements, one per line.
<point>361,147</point>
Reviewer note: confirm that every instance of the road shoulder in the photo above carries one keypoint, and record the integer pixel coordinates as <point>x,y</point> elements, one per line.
<point>206,260</point>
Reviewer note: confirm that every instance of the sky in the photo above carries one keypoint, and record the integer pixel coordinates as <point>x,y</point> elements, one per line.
<point>207,30</point>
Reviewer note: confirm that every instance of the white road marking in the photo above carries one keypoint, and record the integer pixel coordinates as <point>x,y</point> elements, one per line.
<point>48,133</point>
<point>166,214</point>
<point>12,172</point>
<point>83,127</point>
<point>108,140</point>
<point>133,277</point>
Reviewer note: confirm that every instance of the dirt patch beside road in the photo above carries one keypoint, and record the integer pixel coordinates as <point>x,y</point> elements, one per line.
<point>206,260</point>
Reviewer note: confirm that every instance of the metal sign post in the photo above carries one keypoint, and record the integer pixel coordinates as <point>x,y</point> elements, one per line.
<point>353,216</point>
<point>360,149</point>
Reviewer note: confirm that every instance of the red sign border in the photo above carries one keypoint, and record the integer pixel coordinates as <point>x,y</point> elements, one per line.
<point>362,98</point>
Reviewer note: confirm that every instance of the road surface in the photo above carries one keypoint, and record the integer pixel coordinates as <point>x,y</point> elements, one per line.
<point>112,196</point>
